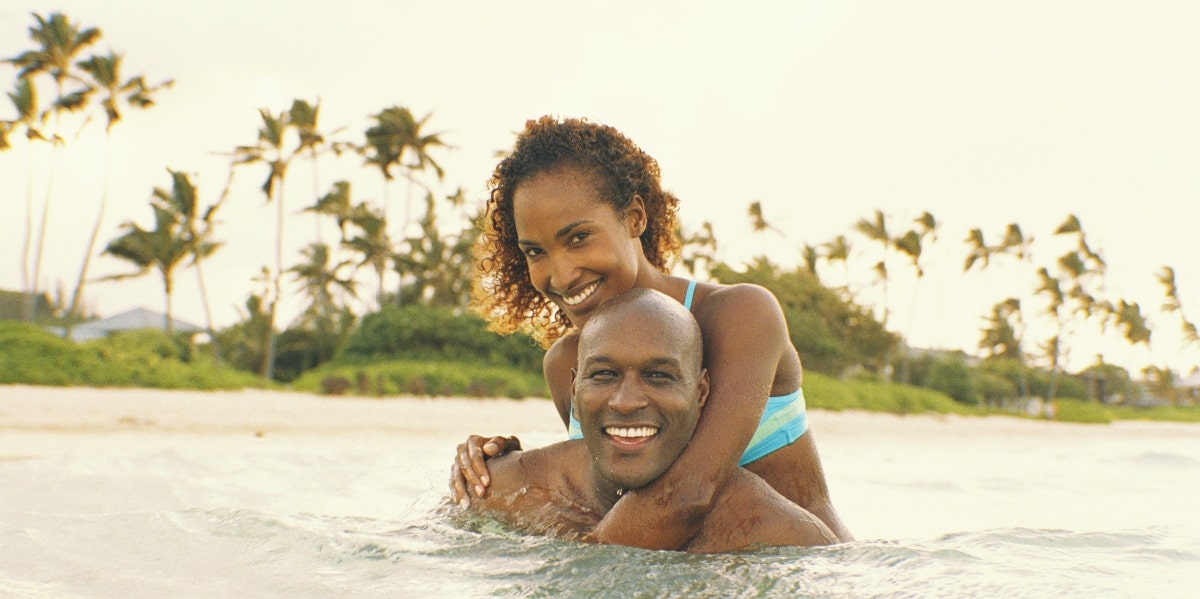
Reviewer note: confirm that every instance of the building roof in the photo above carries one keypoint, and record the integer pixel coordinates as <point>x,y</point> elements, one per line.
<point>1191,381</point>
<point>132,320</point>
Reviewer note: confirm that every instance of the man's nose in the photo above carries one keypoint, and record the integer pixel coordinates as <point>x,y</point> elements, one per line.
<point>628,396</point>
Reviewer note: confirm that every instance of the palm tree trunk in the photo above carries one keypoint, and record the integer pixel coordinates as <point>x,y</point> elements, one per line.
<point>91,246</point>
<point>26,283</point>
<point>316,194</point>
<point>41,240</point>
<point>41,243</point>
<point>212,334</point>
<point>268,370</point>
<point>169,325</point>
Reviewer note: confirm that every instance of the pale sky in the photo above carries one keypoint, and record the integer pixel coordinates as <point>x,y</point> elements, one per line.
<point>982,113</point>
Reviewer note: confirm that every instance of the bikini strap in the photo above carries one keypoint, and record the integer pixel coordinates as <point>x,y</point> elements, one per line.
<point>687,299</point>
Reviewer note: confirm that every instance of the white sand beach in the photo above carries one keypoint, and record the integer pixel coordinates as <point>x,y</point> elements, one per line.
<point>43,421</point>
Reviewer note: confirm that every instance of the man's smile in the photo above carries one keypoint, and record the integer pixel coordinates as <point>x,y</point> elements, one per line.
<point>630,437</point>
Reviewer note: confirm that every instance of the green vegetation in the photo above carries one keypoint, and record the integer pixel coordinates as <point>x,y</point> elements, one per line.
<point>823,392</point>
<point>1158,413</point>
<point>1071,410</point>
<point>32,356</point>
<point>414,377</point>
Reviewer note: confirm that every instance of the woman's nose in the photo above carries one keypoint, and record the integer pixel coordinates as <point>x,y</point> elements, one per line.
<point>562,273</point>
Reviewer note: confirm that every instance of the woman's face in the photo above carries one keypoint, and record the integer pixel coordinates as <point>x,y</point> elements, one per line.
<point>579,249</point>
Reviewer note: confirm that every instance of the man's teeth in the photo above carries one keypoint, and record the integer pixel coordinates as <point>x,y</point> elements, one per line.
<point>582,295</point>
<point>631,433</point>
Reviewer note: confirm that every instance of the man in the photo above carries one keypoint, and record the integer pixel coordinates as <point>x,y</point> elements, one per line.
<point>638,389</point>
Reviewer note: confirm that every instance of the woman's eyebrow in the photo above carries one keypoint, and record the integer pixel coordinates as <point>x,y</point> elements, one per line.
<point>563,232</point>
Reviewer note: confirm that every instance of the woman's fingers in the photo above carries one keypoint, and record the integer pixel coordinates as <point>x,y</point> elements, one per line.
<point>470,472</point>
<point>470,462</point>
<point>458,487</point>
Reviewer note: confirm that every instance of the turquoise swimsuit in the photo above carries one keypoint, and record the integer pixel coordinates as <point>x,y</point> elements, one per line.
<point>783,421</point>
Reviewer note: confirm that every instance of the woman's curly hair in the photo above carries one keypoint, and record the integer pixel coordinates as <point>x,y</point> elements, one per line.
<point>502,292</point>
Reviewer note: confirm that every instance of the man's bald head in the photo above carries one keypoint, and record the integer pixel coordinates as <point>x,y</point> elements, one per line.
<point>641,304</point>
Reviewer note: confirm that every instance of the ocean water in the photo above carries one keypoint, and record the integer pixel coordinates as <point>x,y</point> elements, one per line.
<point>962,516</point>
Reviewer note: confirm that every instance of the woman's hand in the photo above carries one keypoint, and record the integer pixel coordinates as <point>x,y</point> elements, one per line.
<point>469,470</point>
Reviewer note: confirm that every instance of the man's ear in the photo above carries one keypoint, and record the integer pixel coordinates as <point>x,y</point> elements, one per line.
<point>574,409</point>
<point>635,216</point>
<point>702,387</point>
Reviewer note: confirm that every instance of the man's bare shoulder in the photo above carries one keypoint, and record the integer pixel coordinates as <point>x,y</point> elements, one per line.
<point>752,514</point>
<point>540,490</point>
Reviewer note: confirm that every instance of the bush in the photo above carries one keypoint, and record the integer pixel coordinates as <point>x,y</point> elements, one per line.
<point>417,377</point>
<point>1070,410</point>
<point>428,333</point>
<point>823,392</point>
<point>995,389</point>
<point>32,356</point>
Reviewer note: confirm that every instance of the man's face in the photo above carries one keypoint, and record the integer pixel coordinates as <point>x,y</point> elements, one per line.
<point>638,392</point>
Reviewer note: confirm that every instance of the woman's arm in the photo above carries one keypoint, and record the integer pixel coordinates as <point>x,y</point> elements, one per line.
<point>745,335</point>
<point>557,366</point>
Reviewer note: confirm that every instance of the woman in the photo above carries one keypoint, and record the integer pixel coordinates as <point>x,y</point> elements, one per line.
<point>576,216</point>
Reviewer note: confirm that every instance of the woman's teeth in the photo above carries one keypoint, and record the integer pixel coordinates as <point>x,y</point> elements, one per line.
<point>582,295</point>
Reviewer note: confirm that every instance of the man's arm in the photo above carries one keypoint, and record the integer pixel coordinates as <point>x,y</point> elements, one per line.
<point>537,491</point>
<point>508,478</point>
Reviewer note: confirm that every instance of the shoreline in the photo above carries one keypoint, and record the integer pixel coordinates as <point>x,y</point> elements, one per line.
<point>42,421</point>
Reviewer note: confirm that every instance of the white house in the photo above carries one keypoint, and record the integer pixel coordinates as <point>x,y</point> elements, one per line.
<point>133,320</point>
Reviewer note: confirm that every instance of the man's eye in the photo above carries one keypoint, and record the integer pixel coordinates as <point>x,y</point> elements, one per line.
<point>602,375</point>
<point>660,377</point>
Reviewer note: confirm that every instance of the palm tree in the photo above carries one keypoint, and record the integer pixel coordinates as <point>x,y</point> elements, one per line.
<point>104,73</point>
<point>372,243</point>
<point>838,250</point>
<point>304,117</point>
<point>269,149</point>
<point>876,230</point>
<point>1000,336</point>
<point>325,321</point>
<point>1054,348</point>
<point>336,204</point>
<point>58,42</point>
<point>811,256</point>
<point>319,278</point>
<point>978,252</point>
<point>439,266</point>
<point>25,102</point>
<point>396,135</point>
<point>1084,267</point>
<point>1173,305</point>
<point>167,245</point>
<point>911,244</point>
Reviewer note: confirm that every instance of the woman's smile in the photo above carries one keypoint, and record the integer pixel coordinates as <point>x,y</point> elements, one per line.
<point>578,298</point>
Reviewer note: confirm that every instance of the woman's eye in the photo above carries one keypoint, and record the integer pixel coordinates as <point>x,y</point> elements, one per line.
<point>532,252</point>
<point>579,237</point>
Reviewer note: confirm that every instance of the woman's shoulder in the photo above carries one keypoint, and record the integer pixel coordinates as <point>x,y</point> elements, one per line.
<point>737,301</point>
